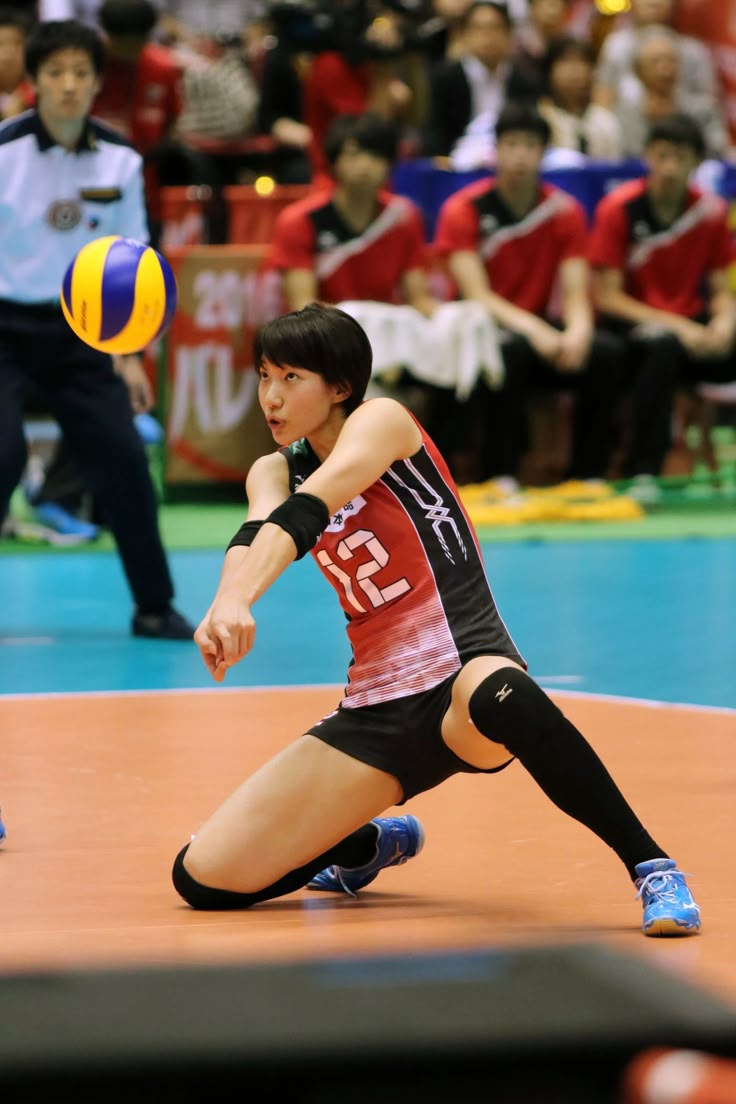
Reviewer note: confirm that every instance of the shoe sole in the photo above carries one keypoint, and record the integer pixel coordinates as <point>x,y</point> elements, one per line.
<point>670,928</point>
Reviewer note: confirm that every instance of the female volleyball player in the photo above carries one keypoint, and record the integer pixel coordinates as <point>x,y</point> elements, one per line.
<point>436,684</point>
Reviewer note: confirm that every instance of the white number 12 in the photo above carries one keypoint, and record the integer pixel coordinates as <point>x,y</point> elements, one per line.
<point>377,596</point>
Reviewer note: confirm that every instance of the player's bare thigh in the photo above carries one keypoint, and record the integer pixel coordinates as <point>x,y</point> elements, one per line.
<point>458,731</point>
<point>296,806</point>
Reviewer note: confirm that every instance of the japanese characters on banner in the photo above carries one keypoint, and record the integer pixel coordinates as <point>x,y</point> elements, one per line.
<point>214,427</point>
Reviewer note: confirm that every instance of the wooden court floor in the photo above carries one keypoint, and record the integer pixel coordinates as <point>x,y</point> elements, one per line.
<point>99,792</point>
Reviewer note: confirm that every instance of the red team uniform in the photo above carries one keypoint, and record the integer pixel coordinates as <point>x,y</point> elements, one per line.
<point>310,234</point>
<point>665,267</point>
<point>521,256</point>
<point>662,266</point>
<point>408,570</point>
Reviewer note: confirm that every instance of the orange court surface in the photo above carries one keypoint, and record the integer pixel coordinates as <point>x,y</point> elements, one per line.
<point>100,791</point>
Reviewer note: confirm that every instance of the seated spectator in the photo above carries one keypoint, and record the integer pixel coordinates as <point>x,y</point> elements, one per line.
<point>359,247</point>
<point>715,26</point>
<point>659,92</point>
<point>352,74</point>
<point>576,122</point>
<point>545,21</point>
<point>660,250</point>
<point>616,58</point>
<point>140,94</point>
<point>16,92</point>
<point>510,244</point>
<point>197,24</point>
<point>469,93</point>
<point>293,41</point>
<point>441,35</point>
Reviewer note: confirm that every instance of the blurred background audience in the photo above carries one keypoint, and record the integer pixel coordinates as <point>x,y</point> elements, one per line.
<point>241,96</point>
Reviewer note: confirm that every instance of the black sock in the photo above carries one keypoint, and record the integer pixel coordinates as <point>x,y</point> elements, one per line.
<point>510,708</point>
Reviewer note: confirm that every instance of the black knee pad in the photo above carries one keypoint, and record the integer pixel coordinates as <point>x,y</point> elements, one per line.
<point>201,896</point>
<point>509,708</point>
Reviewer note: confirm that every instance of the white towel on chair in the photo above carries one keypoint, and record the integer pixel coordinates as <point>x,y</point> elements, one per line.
<point>452,349</point>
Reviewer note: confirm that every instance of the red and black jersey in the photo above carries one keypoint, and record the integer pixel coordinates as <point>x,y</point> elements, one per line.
<point>405,561</point>
<point>310,234</point>
<point>522,256</point>
<point>663,266</point>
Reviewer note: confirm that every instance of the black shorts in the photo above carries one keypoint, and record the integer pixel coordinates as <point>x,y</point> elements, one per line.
<point>401,737</point>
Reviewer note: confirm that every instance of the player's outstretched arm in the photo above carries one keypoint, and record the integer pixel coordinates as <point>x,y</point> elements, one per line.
<point>227,630</point>
<point>375,436</point>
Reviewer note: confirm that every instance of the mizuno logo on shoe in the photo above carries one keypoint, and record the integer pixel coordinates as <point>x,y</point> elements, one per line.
<point>504,692</point>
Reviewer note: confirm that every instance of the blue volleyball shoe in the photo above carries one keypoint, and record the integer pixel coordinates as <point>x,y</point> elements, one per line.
<point>3,833</point>
<point>399,839</point>
<point>669,908</point>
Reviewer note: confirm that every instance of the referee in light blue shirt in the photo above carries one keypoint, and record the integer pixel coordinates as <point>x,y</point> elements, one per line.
<point>65,180</point>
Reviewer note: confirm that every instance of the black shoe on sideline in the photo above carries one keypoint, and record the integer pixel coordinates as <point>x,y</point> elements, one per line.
<point>168,625</point>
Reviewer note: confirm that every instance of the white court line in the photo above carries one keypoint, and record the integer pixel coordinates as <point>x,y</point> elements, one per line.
<point>19,640</point>
<point>652,703</point>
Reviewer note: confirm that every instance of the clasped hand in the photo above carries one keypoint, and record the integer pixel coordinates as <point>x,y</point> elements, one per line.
<point>226,633</point>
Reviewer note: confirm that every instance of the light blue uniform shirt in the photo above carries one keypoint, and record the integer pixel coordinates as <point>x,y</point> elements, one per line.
<point>53,201</point>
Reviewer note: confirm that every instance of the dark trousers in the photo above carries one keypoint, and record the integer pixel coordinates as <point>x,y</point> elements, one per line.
<point>78,387</point>
<point>656,366</point>
<point>596,387</point>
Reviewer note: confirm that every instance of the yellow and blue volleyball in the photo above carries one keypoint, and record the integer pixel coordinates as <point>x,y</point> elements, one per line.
<point>118,294</point>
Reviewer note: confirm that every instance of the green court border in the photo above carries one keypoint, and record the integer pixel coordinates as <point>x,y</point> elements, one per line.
<point>187,526</point>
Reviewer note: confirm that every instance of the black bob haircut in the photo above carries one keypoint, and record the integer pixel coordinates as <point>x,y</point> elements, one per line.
<point>368,131</point>
<point>680,130</point>
<point>522,115</point>
<point>52,35</point>
<point>323,340</point>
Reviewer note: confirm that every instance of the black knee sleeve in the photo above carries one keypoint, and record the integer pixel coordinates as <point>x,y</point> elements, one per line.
<point>509,708</point>
<point>204,897</point>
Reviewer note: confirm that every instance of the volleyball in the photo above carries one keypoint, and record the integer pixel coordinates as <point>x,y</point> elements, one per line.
<point>118,294</point>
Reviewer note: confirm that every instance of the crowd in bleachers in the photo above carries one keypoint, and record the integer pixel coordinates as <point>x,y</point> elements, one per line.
<point>216,95</point>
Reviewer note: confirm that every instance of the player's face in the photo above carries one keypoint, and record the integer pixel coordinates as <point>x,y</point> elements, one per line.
<point>297,403</point>
<point>519,156</point>
<point>670,166</point>
<point>66,84</point>
<point>360,170</point>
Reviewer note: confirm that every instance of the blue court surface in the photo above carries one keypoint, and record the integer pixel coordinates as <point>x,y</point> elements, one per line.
<point>653,620</point>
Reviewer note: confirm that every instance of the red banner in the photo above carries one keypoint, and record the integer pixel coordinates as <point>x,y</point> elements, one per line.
<point>214,426</point>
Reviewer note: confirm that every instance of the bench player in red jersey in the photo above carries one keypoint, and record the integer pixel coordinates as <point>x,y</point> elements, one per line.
<point>660,249</point>
<point>518,245</point>
<point>358,246</point>
<point>354,239</point>
<point>436,686</point>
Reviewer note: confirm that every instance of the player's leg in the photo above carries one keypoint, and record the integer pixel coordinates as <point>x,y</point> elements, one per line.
<point>599,388</point>
<point>506,706</point>
<point>308,807</point>
<point>659,359</point>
